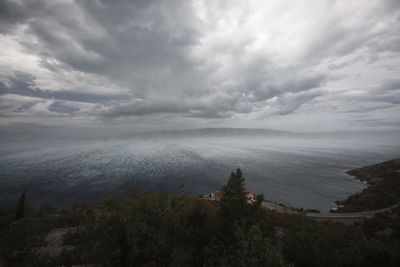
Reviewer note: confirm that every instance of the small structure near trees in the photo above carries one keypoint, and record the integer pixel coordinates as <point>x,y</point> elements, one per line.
<point>234,189</point>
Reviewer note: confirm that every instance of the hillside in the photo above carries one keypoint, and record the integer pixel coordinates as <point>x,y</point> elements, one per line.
<point>384,189</point>
<point>156,229</point>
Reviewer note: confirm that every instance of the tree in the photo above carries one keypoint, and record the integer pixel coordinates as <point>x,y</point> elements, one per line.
<point>253,248</point>
<point>234,206</point>
<point>21,207</point>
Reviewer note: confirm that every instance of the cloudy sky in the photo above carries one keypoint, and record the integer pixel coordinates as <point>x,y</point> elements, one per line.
<point>146,65</point>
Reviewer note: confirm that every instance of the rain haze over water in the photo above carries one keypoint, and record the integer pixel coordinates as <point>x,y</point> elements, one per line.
<point>297,171</point>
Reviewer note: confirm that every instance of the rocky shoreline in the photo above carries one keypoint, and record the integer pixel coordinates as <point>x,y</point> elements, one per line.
<point>383,189</point>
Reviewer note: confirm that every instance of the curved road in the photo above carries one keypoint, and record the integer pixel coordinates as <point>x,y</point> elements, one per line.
<point>346,218</point>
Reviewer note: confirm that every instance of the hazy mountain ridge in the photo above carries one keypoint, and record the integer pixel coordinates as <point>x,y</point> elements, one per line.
<point>37,132</point>
<point>215,132</point>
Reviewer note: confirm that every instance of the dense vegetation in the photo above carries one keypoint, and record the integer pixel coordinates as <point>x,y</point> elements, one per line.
<point>157,229</point>
<point>384,189</point>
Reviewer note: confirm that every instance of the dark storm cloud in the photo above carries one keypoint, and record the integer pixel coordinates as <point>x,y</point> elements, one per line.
<point>219,107</point>
<point>128,38</point>
<point>23,84</point>
<point>195,59</point>
<point>139,44</point>
<point>11,14</point>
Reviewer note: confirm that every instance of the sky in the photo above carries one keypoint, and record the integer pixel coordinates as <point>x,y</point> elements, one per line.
<point>145,65</point>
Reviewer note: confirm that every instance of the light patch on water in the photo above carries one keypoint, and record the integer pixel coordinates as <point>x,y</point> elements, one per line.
<point>297,172</point>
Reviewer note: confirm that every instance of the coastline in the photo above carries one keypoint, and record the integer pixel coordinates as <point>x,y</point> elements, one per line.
<point>383,188</point>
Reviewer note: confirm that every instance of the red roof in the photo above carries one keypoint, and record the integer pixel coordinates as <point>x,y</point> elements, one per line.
<point>247,191</point>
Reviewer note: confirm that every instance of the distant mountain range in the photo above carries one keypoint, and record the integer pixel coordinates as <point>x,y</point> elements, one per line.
<point>214,132</point>
<point>38,132</point>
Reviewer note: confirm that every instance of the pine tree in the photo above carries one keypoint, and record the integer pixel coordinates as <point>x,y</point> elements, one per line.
<point>234,204</point>
<point>21,207</point>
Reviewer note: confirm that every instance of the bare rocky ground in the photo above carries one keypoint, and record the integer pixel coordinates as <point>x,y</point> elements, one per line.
<point>271,205</point>
<point>54,241</point>
<point>55,245</point>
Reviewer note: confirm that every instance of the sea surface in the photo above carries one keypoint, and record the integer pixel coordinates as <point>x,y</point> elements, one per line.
<point>299,172</point>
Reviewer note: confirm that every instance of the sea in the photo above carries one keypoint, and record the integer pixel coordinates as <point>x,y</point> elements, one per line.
<point>296,171</point>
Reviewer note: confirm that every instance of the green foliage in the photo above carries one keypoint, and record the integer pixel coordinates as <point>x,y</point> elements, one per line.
<point>244,236</point>
<point>248,247</point>
<point>20,240</point>
<point>234,206</point>
<point>158,229</point>
<point>308,243</point>
<point>307,247</point>
<point>147,228</point>
<point>384,189</point>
